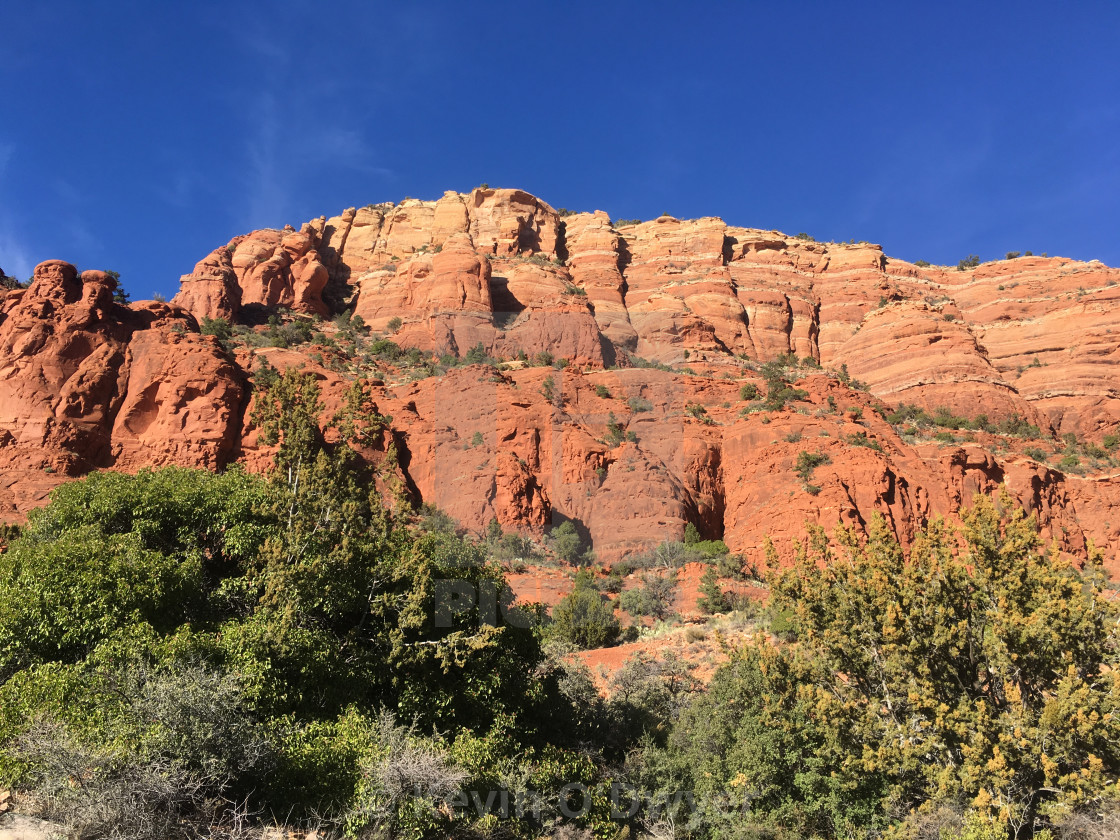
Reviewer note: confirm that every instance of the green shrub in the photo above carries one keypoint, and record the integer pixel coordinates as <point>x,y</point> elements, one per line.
<point>807,462</point>
<point>585,619</point>
<point>861,439</point>
<point>654,598</point>
<point>385,349</point>
<point>615,433</point>
<point>477,355</point>
<point>217,327</point>
<point>637,405</point>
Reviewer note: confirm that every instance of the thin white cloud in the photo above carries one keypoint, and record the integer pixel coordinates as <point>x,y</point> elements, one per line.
<point>267,193</point>
<point>300,126</point>
<point>14,257</point>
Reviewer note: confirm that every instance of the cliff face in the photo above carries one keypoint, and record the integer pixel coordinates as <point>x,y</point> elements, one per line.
<point>88,383</point>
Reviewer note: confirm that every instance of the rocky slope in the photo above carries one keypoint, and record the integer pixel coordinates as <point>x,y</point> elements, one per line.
<point>660,325</point>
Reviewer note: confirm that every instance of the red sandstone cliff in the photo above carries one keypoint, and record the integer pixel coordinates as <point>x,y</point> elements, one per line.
<point>88,383</point>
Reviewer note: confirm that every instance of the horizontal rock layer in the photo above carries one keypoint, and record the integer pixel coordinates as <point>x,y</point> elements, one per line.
<point>88,383</point>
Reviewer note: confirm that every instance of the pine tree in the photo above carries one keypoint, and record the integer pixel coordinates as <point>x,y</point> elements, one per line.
<point>712,599</point>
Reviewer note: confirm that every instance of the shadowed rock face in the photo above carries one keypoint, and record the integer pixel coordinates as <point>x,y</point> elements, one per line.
<point>88,383</point>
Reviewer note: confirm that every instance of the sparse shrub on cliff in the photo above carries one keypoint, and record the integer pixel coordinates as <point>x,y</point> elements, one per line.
<point>477,355</point>
<point>749,391</point>
<point>618,223</point>
<point>297,331</point>
<point>699,412</point>
<point>778,389</point>
<point>1011,255</point>
<point>637,405</point>
<point>395,323</point>
<point>972,261</point>
<point>219,328</point>
<point>11,283</point>
<point>861,439</point>
<point>944,418</point>
<point>615,433</point>
<point>1019,427</point>
<point>922,263</point>
<point>602,392</point>
<point>385,349</point>
<point>807,462</point>
<point>639,362</point>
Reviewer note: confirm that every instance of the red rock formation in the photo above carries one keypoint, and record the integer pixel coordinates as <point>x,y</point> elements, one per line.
<point>212,289</point>
<point>631,454</point>
<point>88,383</point>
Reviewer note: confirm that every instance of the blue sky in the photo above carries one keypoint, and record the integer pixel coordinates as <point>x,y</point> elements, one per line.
<point>139,136</point>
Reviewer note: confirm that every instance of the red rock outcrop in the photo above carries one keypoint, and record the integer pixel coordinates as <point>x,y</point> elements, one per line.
<point>268,267</point>
<point>88,383</point>
<point>628,450</point>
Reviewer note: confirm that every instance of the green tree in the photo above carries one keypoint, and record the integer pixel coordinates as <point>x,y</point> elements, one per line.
<point>304,589</point>
<point>566,541</point>
<point>712,599</point>
<point>287,414</point>
<point>987,675</point>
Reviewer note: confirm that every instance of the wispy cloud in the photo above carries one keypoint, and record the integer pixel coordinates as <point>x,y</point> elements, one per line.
<point>15,260</point>
<point>301,126</point>
<point>286,150</point>
<point>268,199</point>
